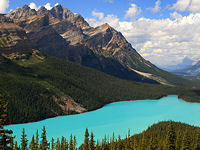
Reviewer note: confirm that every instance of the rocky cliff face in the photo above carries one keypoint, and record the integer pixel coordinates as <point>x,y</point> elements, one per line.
<point>14,43</point>
<point>63,34</point>
<point>21,13</point>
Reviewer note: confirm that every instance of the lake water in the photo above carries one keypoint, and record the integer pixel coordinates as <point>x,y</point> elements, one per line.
<point>116,117</point>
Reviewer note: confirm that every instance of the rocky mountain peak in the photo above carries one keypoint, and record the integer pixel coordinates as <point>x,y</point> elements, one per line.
<point>61,13</point>
<point>42,11</point>
<point>105,28</point>
<point>3,19</point>
<point>105,25</point>
<point>22,12</point>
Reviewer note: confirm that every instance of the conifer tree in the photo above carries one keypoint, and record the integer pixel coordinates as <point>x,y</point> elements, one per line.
<point>32,144</point>
<point>44,143</point>
<point>11,143</point>
<point>86,140</point>
<point>112,144</point>
<point>151,144</point>
<point>178,140</point>
<point>143,142</point>
<point>24,141</point>
<point>197,141</point>
<point>186,142</point>
<point>5,138</point>
<point>52,144</point>
<point>171,137</point>
<point>129,139</point>
<point>97,146</point>
<point>92,142</point>
<point>119,144</point>
<point>66,144</point>
<point>135,145</point>
<point>16,146</point>
<point>71,143</point>
<point>63,143</point>
<point>37,140</point>
<point>103,144</point>
<point>58,146</point>
<point>75,143</point>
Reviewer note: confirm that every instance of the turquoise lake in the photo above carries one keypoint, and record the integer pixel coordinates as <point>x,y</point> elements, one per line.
<point>116,117</point>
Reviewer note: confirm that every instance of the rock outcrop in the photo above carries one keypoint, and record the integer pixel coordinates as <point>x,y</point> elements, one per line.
<point>14,43</point>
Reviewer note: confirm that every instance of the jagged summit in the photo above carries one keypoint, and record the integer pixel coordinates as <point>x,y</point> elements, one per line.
<point>23,12</point>
<point>61,13</point>
<point>60,32</point>
<point>105,25</point>
<point>42,11</point>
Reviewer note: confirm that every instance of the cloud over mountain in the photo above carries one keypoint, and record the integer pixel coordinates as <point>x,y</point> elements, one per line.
<point>157,6</point>
<point>162,41</point>
<point>187,5</point>
<point>4,4</point>
<point>48,6</point>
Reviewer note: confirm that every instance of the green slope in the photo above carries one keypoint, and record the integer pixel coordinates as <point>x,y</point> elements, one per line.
<point>160,136</point>
<point>35,88</point>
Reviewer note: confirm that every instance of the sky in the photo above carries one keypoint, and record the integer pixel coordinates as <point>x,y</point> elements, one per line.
<point>162,31</point>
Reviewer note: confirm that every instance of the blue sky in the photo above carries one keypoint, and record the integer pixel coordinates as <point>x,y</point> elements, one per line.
<point>162,31</point>
<point>117,7</point>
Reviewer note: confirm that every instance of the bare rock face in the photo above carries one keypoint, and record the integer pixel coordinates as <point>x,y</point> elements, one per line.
<point>43,11</point>
<point>22,13</point>
<point>3,19</point>
<point>63,34</point>
<point>14,43</point>
<point>65,14</point>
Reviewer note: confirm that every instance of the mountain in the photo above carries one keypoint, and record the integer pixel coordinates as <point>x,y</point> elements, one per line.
<point>186,62</point>
<point>38,86</point>
<point>61,33</point>
<point>192,70</point>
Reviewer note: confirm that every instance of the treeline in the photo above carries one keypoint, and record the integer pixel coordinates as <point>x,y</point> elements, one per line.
<point>162,136</point>
<point>31,90</point>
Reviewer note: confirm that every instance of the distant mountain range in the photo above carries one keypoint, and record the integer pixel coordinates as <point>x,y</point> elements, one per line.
<point>192,70</point>
<point>44,60</point>
<point>186,62</point>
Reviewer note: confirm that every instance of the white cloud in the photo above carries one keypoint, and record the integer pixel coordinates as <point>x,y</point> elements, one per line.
<point>34,6</point>
<point>56,4</point>
<point>195,6</point>
<point>161,41</point>
<point>98,20</point>
<point>157,6</point>
<point>4,4</point>
<point>48,6</point>
<point>132,12</point>
<point>190,5</point>
<point>99,15</point>
<point>181,5</point>
<point>176,15</point>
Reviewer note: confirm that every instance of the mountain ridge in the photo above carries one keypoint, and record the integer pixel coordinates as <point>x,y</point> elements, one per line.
<point>192,70</point>
<point>102,48</point>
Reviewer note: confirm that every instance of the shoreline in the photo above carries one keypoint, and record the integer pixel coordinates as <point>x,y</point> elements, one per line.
<point>95,109</point>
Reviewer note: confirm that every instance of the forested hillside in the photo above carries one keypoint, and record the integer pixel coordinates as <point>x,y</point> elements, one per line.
<point>42,87</point>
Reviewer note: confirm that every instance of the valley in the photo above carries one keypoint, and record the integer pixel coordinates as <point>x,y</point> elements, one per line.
<point>59,72</point>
